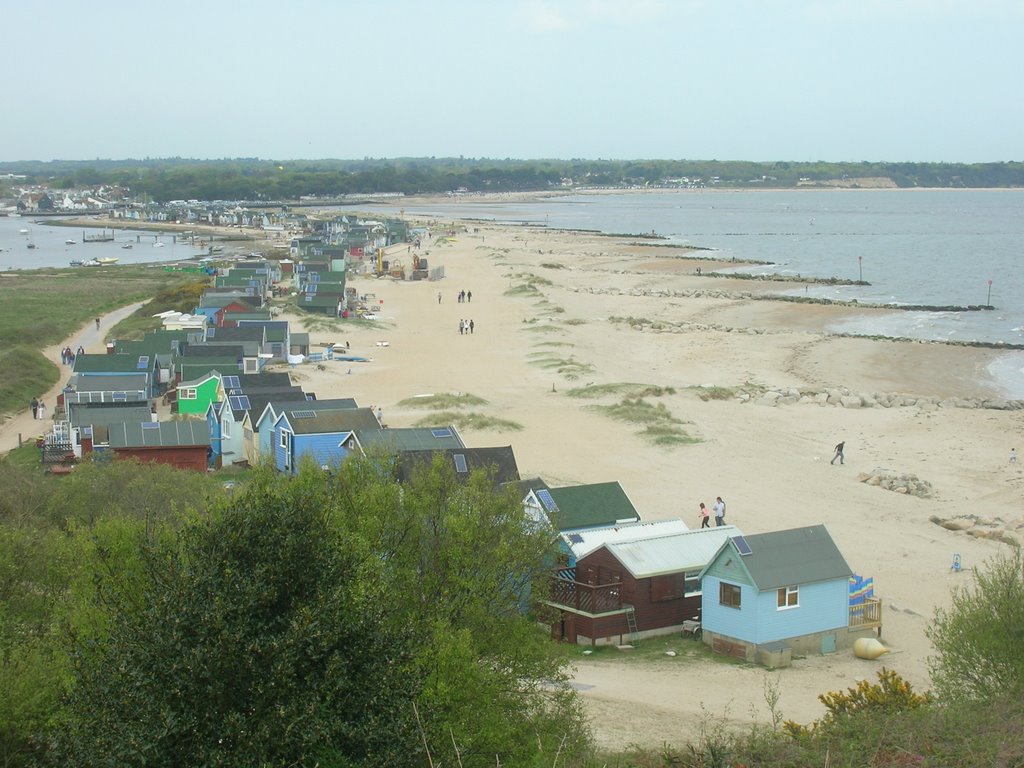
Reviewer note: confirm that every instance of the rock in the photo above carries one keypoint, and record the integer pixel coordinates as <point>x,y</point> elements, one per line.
<point>850,401</point>
<point>957,524</point>
<point>863,477</point>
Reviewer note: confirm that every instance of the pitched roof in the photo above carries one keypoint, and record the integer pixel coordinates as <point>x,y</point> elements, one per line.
<point>660,555</point>
<point>333,420</point>
<point>238,334</point>
<point>411,438</point>
<point>99,417</point>
<point>501,459</point>
<point>162,434</point>
<point>588,506</point>
<point>796,556</point>
<point>126,382</point>
<point>112,364</point>
<point>582,543</point>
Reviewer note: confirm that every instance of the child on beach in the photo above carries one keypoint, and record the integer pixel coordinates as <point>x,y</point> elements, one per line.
<point>705,517</point>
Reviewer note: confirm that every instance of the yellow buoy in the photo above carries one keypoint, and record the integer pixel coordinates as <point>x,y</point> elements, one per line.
<point>868,648</point>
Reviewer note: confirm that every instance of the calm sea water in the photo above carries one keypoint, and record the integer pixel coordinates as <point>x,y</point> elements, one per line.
<point>933,247</point>
<point>52,251</point>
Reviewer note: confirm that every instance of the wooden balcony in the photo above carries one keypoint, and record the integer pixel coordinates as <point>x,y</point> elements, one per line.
<point>867,615</point>
<point>585,598</point>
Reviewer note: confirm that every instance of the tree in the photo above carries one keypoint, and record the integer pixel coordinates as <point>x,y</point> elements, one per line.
<point>248,639</point>
<point>978,641</point>
<point>463,565</point>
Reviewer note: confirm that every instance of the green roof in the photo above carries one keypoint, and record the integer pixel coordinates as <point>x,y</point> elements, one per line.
<point>588,506</point>
<point>797,556</point>
<point>334,420</point>
<point>112,364</point>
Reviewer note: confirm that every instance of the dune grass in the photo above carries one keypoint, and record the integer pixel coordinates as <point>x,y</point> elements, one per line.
<point>466,421</point>
<point>621,389</point>
<point>43,307</point>
<point>659,425</point>
<point>442,401</point>
<point>567,367</point>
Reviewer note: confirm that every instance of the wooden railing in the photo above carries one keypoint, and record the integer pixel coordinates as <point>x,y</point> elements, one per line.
<point>866,615</point>
<point>586,597</point>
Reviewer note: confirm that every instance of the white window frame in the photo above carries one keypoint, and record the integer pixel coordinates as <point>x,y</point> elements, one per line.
<point>787,598</point>
<point>188,393</point>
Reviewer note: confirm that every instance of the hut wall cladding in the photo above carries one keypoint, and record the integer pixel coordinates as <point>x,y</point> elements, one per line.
<point>659,600</point>
<point>181,458</point>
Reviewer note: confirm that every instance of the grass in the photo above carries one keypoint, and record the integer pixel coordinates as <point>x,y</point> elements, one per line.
<point>443,401</point>
<point>714,393</point>
<point>567,367</point>
<point>322,323</point>
<point>554,344</point>
<point>622,389</point>
<point>179,298</point>
<point>464,421</point>
<point>659,425</point>
<point>43,307</point>
<point>523,289</point>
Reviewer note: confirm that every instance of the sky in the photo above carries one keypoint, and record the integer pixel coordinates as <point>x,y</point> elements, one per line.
<point>759,80</point>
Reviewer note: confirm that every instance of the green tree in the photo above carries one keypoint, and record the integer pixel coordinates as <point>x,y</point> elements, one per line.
<point>978,641</point>
<point>247,639</point>
<point>462,565</point>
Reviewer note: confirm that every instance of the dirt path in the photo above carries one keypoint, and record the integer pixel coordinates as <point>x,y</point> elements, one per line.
<point>21,426</point>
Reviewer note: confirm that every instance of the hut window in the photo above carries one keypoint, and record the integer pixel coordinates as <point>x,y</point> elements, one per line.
<point>692,583</point>
<point>789,597</point>
<point>188,393</point>
<point>729,595</point>
<point>669,587</point>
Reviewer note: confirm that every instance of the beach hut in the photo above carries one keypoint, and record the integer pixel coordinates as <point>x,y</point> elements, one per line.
<point>627,582</point>
<point>768,595</point>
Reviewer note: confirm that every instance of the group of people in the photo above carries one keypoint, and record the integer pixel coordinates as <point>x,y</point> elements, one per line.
<point>705,514</point>
<point>466,326</point>
<point>38,408</point>
<point>67,357</point>
<point>465,296</point>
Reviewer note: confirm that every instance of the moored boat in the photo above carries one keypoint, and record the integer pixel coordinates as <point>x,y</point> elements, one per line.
<point>106,260</point>
<point>70,242</point>
<point>126,246</point>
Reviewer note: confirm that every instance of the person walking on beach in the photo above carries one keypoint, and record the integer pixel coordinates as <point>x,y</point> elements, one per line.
<point>97,323</point>
<point>35,407</point>
<point>839,453</point>
<point>438,297</point>
<point>719,512</point>
<point>471,326</point>
<point>1013,455</point>
<point>462,327</point>
<point>705,519</point>
<point>469,297</point>
<point>41,414</point>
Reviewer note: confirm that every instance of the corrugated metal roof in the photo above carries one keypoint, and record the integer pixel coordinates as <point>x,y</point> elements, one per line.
<point>84,382</point>
<point>687,551</point>
<point>583,543</point>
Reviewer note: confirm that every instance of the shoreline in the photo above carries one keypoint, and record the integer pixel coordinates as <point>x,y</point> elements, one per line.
<point>564,320</point>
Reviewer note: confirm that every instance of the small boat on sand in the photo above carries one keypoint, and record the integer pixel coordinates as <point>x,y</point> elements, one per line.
<point>107,260</point>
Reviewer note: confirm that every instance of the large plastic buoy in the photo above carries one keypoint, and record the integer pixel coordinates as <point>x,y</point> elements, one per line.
<point>868,648</point>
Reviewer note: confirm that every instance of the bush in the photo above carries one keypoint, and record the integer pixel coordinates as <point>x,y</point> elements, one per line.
<point>978,640</point>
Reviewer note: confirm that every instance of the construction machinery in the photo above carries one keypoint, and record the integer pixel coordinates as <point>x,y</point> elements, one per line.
<point>419,268</point>
<point>397,270</point>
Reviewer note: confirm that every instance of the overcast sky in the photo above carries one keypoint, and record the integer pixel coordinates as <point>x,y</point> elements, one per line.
<point>838,80</point>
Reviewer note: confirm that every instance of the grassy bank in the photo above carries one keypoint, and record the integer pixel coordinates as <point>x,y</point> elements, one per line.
<point>43,307</point>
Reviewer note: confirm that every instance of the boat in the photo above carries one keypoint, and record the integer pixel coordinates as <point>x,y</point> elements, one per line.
<point>31,245</point>
<point>106,260</point>
<point>126,246</point>
<point>158,245</point>
<point>69,241</point>
<point>22,231</point>
<point>77,263</point>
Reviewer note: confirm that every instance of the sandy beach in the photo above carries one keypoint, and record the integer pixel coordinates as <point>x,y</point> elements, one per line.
<point>606,311</point>
<point>770,462</point>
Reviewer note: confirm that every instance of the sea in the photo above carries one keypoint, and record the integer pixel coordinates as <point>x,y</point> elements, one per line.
<point>52,250</point>
<point>920,247</point>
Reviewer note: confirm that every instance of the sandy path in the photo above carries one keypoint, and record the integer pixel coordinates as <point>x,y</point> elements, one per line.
<point>21,426</point>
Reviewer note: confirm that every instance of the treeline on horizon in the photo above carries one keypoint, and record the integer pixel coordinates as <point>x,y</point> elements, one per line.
<point>255,179</point>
